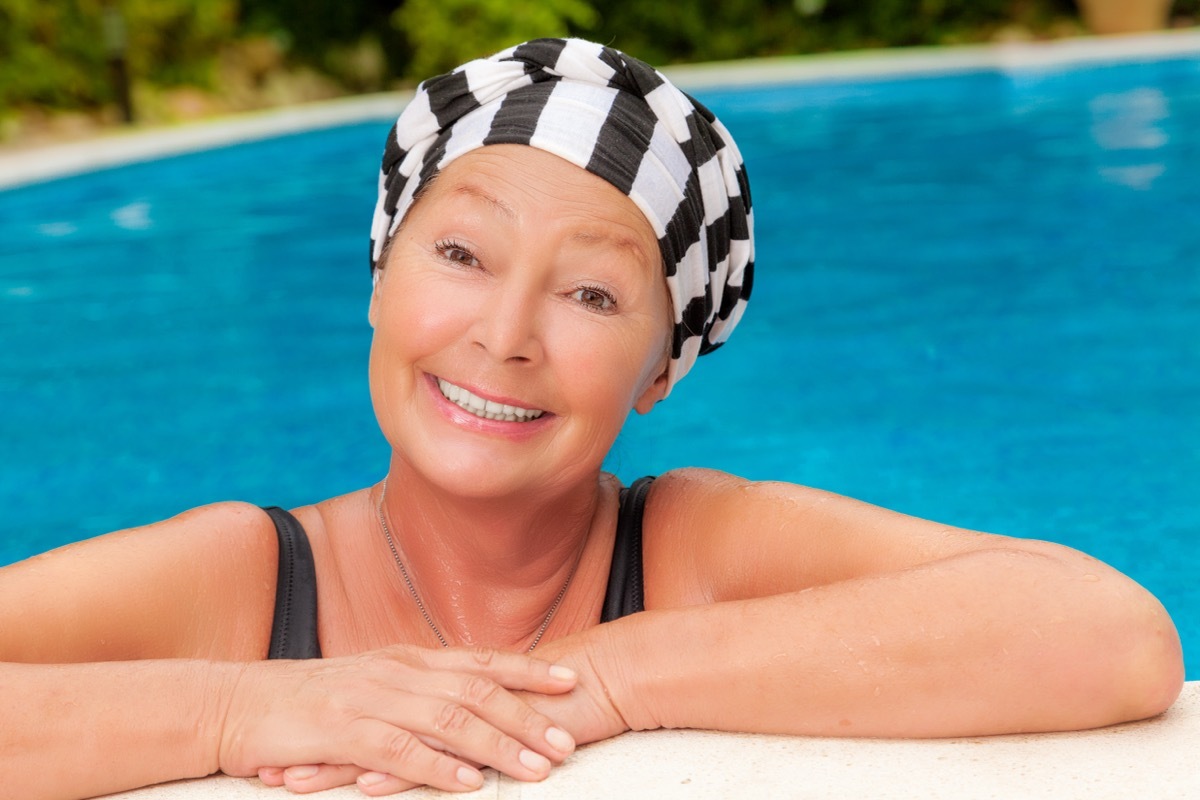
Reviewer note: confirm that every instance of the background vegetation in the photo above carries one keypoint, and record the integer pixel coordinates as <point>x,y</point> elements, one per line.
<point>191,57</point>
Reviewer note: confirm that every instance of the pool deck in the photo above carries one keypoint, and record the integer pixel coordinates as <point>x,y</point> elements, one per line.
<point>1147,759</point>
<point>22,166</point>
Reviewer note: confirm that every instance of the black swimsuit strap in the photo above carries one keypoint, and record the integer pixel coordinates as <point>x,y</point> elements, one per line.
<point>625,579</point>
<point>294,631</point>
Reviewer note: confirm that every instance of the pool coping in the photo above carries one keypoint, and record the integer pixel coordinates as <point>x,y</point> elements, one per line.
<point>24,166</point>
<point>1139,759</point>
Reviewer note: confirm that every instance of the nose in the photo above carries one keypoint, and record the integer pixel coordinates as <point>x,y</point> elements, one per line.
<point>508,325</point>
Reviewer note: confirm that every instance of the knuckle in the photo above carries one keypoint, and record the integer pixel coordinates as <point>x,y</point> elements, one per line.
<point>402,748</point>
<point>343,712</point>
<point>341,719</point>
<point>478,691</point>
<point>531,721</point>
<point>483,656</point>
<point>452,719</point>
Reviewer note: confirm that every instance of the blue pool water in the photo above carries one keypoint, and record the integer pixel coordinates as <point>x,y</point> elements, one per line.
<point>978,300</point>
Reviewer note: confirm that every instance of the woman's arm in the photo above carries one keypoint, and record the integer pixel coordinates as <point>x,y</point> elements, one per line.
<point>84,713</point>
<point>872,624</point>
<point>132,659</point>
<point>79,730</point>
<point>982,643</point>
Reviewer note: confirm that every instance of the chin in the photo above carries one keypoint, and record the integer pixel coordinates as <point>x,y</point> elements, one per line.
<point>481,475</point>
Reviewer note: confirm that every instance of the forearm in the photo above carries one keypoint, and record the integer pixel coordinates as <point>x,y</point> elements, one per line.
<point>987,642</point>
<point>80,730</point>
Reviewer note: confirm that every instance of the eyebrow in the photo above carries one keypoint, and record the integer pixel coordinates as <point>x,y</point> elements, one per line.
<point>591,238</point>
<point>501,207</point>
<point>618,241</point>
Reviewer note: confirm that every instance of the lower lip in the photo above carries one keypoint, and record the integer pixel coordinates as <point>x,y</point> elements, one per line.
<point>496,427</point>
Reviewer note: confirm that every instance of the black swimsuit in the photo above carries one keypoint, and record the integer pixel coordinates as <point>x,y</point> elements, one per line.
<point>294,631</point>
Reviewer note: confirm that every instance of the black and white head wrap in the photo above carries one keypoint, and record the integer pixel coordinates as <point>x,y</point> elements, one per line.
<point>620,119</point>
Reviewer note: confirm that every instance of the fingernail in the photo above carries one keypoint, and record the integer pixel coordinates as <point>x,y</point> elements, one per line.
<point>371,778</point>
<point>560,739</point>
<point>301,773</point>
<point>534,761</point>
<point>469,777</point>
<point>559,672</point>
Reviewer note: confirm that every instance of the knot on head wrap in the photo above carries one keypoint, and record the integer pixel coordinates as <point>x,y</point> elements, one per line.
<point>620,119</point>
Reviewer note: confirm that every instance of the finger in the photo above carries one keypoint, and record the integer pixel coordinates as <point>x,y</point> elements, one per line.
<point>393,750</point>
<point>474,695</point>
<point>319,777</point>
<point>271,776</point>
<point>509,714</point>
<point>436,745</point>
<point>378,784</point>
<point>511,670</point>
<point>448,728</point>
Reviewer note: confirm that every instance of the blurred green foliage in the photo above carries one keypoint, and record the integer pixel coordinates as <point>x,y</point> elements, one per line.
<point>704,30</point>
<point>446,33</point>
<point>53,54</point>
<point>320,33</point>
<point>46,54</point>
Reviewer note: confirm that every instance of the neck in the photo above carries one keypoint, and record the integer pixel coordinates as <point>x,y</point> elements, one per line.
<point>487,570</point>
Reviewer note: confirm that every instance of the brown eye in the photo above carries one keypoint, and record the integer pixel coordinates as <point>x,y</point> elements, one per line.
<point>456,253</point>
<point>594,298</point>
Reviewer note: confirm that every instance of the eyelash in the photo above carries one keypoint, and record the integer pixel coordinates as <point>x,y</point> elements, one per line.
<point>600,290</point>
<point>445,246</point>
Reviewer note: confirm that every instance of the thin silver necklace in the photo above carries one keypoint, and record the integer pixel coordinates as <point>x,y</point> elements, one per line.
<point>417,598</point>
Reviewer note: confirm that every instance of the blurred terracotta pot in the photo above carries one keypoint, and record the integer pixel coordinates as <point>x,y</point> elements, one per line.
<point>1125,16</point>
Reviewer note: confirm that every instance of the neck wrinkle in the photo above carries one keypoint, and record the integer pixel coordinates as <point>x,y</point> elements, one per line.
<point>487,571</point>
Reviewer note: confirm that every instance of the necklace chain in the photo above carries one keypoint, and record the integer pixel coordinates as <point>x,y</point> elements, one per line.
<point>412,590</point>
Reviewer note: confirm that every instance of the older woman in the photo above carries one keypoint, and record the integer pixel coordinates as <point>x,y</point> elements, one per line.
<point>560,233</point>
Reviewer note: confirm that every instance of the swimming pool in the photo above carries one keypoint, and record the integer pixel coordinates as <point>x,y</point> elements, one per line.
<point>978,300</point>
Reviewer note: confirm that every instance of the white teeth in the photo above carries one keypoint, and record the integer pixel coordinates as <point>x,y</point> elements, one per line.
<point>487,409</point>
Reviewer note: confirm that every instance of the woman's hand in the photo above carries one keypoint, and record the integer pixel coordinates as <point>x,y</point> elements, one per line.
<point>590,711</point>
<point>414,715</point>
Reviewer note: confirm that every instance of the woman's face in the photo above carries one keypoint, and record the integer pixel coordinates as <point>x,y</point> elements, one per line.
<point>522,312</point>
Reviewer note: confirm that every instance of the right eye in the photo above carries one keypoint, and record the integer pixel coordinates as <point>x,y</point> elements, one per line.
<point>455,253</point>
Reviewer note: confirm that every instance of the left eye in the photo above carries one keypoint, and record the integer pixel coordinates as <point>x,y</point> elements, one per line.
<point>455,253</point>
<point>594,298</point>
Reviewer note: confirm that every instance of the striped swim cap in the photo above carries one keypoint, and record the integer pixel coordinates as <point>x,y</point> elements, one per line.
<point>620,119</point>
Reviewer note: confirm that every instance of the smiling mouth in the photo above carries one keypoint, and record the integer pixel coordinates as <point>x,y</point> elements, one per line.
<point>486,409</point>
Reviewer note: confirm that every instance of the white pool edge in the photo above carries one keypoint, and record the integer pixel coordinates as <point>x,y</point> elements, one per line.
<point>1008,57</point>
<point>21,167</point>
<point>1149,759</point>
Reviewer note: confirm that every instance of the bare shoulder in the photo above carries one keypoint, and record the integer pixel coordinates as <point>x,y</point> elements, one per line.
<point>713,536</point>
<point>200,584</point>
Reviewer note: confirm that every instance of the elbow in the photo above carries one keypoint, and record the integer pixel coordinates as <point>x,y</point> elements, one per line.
<point>1136,664</point>
<point>1153,674</point>
<point>1125,659</point>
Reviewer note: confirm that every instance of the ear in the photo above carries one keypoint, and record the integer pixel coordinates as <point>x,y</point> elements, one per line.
<point>656,391</point>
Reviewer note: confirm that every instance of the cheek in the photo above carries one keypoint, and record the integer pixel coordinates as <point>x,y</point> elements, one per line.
<point>417,314</point>
<point>608,369</point>
<point>413,319</point>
